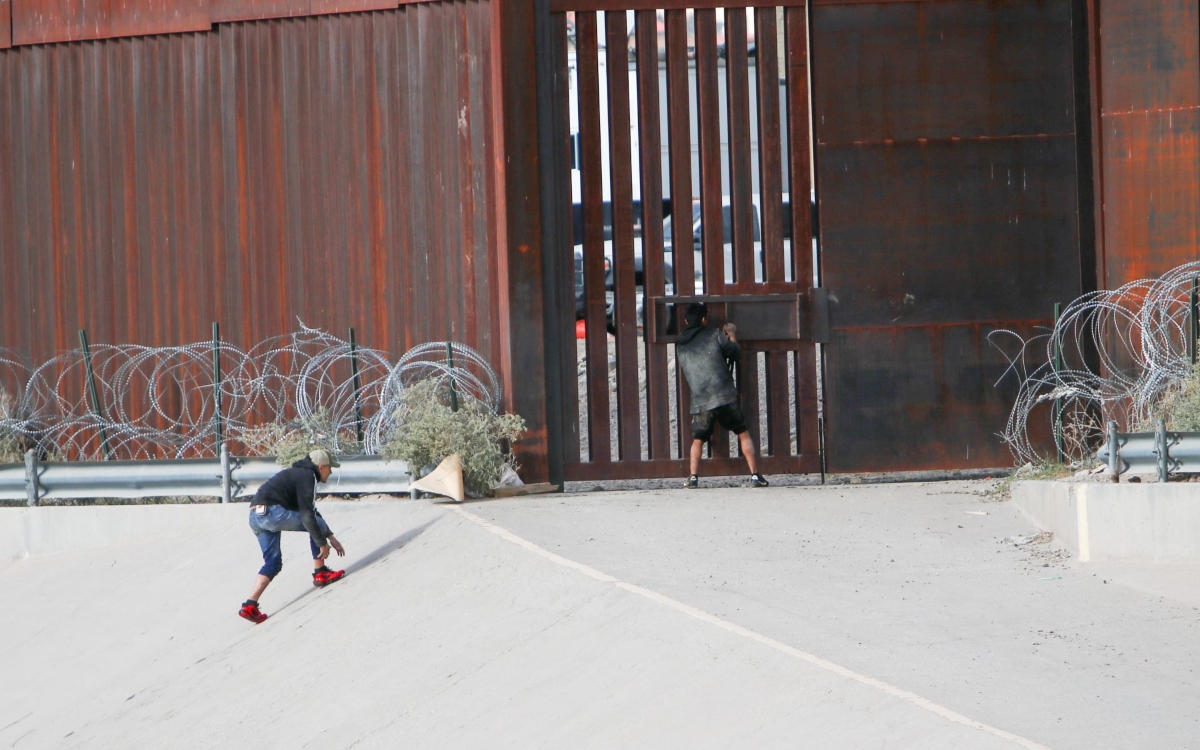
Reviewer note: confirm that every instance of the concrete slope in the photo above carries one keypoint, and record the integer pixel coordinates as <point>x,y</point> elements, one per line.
<point>445,634</point>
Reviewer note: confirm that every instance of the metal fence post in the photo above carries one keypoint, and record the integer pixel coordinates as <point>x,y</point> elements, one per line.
<point>453,388</point>
<point>1114,463</point>
<point>1193,323</point>
<point>1160,442</point>
<point>216,358</point>
<point>1057,408</point>
<point>91,386</point>
<point>357,404</point>
<point>32,490</point>
<point>226,479</point>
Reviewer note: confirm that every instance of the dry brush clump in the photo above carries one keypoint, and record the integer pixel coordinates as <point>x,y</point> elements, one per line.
<point>426,429</point>
<point>1178,405</point>
<point>10,442</point>
<point>291,441</point>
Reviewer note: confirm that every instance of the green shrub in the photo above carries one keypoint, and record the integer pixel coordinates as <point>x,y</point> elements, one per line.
<point>426,430</point>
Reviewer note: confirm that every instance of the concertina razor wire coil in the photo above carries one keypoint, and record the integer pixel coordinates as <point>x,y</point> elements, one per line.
<point>1111,356</point>
<point>161,402</point>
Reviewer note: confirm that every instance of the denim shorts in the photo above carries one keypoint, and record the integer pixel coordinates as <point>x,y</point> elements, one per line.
<point>268,524</point>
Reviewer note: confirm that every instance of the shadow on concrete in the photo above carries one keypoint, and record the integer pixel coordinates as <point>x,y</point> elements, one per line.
<point>374,556</point>
<point>389,547</point>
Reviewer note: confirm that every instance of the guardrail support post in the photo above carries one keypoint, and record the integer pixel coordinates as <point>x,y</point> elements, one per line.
<point>1160,442</point>
<point>1193,323</point>
<point>226,478</point>
<point>1114,463</point>
<point>32,490</point>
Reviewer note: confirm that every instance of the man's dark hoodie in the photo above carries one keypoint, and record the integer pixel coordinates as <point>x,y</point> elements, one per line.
<point>702,353</point>
<point>296,490</point>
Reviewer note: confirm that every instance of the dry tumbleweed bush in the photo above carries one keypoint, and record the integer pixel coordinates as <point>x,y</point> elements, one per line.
<point>426,429</point>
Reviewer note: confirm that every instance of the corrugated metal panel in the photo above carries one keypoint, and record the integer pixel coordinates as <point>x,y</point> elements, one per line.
<point>44,21</point>
<point>947,187</point>
<point>331,169</point>
<point>1150,133</point>
<point>222,11</point>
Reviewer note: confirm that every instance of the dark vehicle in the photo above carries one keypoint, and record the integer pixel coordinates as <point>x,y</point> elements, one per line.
<point>668,269</point>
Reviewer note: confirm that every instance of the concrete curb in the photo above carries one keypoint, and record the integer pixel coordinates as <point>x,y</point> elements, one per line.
<point>1133,522</point>
<point>36,532</point>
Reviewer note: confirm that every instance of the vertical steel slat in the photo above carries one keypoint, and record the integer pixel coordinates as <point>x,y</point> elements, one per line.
<point>624,279</point>
<point>799,143</point>
<point>770,145</point>
<point>591,186</point>
<point>658,423</point>
<point>750,396</point>
<point>709,122</point>
<point>679,140</point>
<point>796,41</point>
<point>570,380</point>
<point>770,154</point>
<point>712,221</point>
<point>741,187</point>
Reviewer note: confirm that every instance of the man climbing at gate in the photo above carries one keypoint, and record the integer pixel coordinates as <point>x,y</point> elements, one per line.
<point>707,356</point>
<point>286,502</point>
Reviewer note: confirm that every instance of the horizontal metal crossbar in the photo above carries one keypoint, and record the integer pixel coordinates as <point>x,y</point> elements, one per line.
<point>228,478</point>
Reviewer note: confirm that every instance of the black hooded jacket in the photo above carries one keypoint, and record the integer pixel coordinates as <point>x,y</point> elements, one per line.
<point>702,353</point>
<point>296,490</point>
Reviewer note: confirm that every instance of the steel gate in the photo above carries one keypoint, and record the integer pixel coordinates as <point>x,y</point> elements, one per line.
<point>675,125</point>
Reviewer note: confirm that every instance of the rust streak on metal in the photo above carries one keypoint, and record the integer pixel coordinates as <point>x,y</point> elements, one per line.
<point>5,24</point>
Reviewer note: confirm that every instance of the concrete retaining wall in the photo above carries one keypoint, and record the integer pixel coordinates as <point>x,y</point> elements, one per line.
<point>33,532</point>
<point>1159,522</point>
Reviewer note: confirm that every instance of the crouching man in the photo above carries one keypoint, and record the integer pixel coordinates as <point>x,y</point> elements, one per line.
<point>286,502</point>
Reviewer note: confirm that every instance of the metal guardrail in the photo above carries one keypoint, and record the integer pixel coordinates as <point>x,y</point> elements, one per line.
<point>227,477</point>
<point>1160,451</point>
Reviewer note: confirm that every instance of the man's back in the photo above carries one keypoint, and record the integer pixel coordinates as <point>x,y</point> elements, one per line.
<point>703,353</point>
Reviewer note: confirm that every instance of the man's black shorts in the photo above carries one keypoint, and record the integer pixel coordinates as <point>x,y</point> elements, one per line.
<point>729,415</point>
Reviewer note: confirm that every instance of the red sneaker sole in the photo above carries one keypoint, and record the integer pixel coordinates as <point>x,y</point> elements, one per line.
<point>252,618</point>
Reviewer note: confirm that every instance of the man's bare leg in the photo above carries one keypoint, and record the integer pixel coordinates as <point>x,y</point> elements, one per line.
<point>748,451</point>
<point>697,452</point>
<point>260,585</point>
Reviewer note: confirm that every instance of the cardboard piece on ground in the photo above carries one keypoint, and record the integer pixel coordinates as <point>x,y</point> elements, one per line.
<point>446,479</point>
<point>526,489</point>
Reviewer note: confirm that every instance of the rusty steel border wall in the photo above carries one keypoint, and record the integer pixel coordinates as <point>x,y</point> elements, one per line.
<point>392,166</point>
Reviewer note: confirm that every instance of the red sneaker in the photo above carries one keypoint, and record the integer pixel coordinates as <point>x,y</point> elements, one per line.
<point>325,576</point>
<point>252,613</point>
